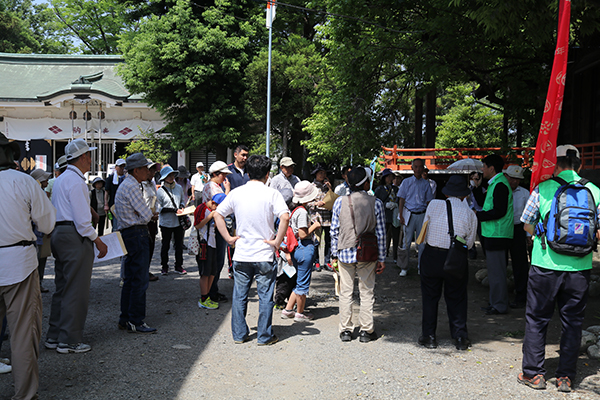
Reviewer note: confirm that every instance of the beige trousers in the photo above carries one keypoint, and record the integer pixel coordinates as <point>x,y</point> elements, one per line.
<point>366,287</point>
<point>22,305</point>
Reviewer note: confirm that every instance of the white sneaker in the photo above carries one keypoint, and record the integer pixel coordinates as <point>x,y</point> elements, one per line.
<point>64,348</point>
<point>5,369</point>
<point>403,273</point>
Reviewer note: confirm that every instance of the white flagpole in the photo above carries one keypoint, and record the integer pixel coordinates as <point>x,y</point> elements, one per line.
<point>270,17</point>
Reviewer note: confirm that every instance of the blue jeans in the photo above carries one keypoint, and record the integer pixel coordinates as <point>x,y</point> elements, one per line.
<point>135,280</point>
<point>265,273</point>
<point>303,258</point>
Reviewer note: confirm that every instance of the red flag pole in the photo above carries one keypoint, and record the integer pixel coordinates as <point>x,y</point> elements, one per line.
<point>545,150</point>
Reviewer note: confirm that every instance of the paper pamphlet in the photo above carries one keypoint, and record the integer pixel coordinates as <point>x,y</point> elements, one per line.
<point>289,270</point>
<point>116,247</point>
<point>187,211</point>
<point>406,215</point>
<point>423,233</point>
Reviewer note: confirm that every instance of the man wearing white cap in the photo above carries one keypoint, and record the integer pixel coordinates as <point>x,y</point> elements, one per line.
<point>73,242</point>
<point>198,180</point>
<point>518,245</point>
<point>556,281</point>
<point>285,181</point>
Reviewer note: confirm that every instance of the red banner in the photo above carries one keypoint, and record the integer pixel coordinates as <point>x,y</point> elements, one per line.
<point>545,150</point>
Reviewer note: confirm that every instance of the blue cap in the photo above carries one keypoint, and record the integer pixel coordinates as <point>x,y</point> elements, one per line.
<point>218,198</point>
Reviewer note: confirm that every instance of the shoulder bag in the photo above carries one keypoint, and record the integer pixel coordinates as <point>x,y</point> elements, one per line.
<point>457,259</point>
<point>366,243</point>
<point>184,221</point>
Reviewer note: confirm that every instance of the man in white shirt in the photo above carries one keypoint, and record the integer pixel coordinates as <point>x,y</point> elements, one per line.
<point>433,277</point>
<point>518,245</point>
<point>73,242</point>
<point>198,180</point>
<point>413,196</point>
<point>256,207</point>
<point>20,300</point>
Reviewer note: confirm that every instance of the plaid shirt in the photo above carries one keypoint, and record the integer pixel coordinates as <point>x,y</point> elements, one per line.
<point>348,256</point>
<point>463,220</point>
<point>130,206</point>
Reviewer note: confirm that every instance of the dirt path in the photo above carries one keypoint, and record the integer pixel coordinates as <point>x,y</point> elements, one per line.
<point>193,355</point>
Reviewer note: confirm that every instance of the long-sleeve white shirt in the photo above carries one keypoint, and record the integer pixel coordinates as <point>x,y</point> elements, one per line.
<point>23,201</point>
<point>71,198</point>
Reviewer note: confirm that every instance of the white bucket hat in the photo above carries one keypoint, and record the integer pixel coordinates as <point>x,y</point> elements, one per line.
<point>304,192</point>
<point>219,166</point>
<point>514,171</point>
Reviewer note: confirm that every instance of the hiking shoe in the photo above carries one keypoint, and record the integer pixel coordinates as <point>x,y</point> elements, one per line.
<point>219,298</point>
<point>208,304</point>
<point>317,267</point>
<point>563,384</point>
<point>51,344</point>
<point>181,272</point>
<point>244,340</point>
<point>366,337</point>
<point>274,339</point>
<point>64,348</point>
<point>537,382</point>
<point>346,336</point>
<point>141,328</point>
<point>285,314</point>
<point>303,317</point>
<point>279,307</point>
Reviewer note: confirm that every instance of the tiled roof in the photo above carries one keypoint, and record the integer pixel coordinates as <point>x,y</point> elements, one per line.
<point>39,77</point>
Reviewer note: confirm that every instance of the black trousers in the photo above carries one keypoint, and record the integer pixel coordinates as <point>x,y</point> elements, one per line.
<point>433,281</point>
<point>167,233</point>
<point>284,285</point>
<point>520,262</point>
<point>568,291</point>
<point>392,235</point>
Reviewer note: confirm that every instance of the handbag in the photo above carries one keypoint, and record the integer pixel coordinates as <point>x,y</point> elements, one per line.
<point>366,243</point>
<point>184,221</point>
<point>457,259</point>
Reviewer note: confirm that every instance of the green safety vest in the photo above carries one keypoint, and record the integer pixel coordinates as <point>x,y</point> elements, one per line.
<point>502,227</point>
<point>548,258</point>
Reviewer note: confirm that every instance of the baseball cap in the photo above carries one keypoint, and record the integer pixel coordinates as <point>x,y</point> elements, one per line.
<point>76,148</point>
<point>219,166</point>
<point>199,164</point>
<point>561,151</point>
<point>120,161</point>
<point>286,162</point>
<point>61,162</point>
<point>514,171</point>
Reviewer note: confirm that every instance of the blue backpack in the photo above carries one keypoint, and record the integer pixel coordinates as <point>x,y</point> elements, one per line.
<point>570,226</point>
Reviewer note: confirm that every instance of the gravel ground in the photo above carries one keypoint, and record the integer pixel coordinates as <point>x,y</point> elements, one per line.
<point>193,355</point>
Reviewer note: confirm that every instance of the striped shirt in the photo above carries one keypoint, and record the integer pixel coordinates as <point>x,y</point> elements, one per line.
<point>348,256</point>
<point>463,220</point>
<point>131,207</point>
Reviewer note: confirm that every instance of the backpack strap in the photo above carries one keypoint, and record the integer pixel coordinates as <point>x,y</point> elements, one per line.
<point>560,181</point>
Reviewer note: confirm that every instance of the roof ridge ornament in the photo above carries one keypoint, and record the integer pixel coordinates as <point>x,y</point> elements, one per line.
<point>88,79</point>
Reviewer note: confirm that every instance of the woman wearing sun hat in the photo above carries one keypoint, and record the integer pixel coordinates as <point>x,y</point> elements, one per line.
<point>169,199</point>
<point>303,256</point>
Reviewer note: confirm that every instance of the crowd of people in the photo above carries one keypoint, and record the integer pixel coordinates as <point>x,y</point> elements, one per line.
<point>276,231</point>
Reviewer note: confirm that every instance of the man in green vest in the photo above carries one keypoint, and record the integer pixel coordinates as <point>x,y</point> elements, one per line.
<point>497,231</point>
<point>555,280</point>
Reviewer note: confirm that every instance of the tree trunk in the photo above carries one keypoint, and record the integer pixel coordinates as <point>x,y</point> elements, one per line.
<point>430,120</point>
<point>418,121</point>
